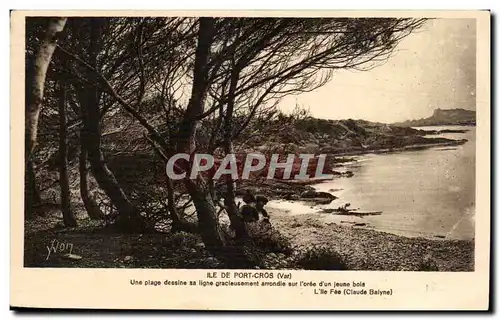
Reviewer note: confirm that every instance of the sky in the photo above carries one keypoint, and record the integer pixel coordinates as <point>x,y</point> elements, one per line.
<point>432,68</point>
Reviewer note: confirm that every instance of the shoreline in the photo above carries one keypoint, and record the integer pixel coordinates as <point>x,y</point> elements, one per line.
<point>287,189</point>
<point>368,249</point>
<point>412,147</point>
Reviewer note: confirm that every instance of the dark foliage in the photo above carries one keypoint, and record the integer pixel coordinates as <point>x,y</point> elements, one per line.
<point>321,258</point>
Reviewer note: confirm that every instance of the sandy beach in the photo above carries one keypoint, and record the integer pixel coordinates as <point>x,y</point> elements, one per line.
<point>366,249</point>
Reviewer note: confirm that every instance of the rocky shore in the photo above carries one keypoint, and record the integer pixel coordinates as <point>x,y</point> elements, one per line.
<point>340,141</point>
<point>438,142</point>
<point>301,190</point>
<point>365,249</point>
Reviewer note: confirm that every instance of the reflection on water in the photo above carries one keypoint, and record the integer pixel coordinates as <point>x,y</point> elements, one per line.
<point>421,193</point>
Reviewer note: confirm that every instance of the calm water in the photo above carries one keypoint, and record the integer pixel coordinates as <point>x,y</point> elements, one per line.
<point>420,193</point>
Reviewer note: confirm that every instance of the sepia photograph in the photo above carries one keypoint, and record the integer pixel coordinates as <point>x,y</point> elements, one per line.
<point>380,113</point>
<point>262,145</point>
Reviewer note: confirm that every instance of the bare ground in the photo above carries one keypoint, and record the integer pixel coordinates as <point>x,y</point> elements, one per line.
<point>100,248</point>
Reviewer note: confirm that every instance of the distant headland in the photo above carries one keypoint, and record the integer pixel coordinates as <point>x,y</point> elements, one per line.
<point>443,117</point>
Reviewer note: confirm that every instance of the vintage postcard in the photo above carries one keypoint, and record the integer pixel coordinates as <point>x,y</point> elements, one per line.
<point>260,160</point>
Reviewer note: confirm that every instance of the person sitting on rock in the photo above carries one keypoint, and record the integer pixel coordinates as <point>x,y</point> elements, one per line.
<point>253,206</point>
<point>248,197</point>
<point>260,202</point>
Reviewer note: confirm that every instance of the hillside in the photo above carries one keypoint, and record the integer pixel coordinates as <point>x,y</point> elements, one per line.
<point>443,117</point>
<point>338,137</point>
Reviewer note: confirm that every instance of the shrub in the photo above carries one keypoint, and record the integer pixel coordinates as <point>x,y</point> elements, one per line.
<point>251,252</point>
<point>268,239</point>
<point>428,264</point>
<point>321,258</point>
<point>184,240</point>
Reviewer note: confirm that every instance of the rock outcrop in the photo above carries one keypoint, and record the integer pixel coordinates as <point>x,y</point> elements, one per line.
<point>442,117</point>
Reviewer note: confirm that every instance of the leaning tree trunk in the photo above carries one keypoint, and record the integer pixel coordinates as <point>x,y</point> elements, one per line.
<point>209,226</point>
<point>68,216</point>
<point>208,220</point>
<point>89,203</point>
<point>129,219</point>
<point>35,82</point>
<point>229,198</point>
<point>178,223</point>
